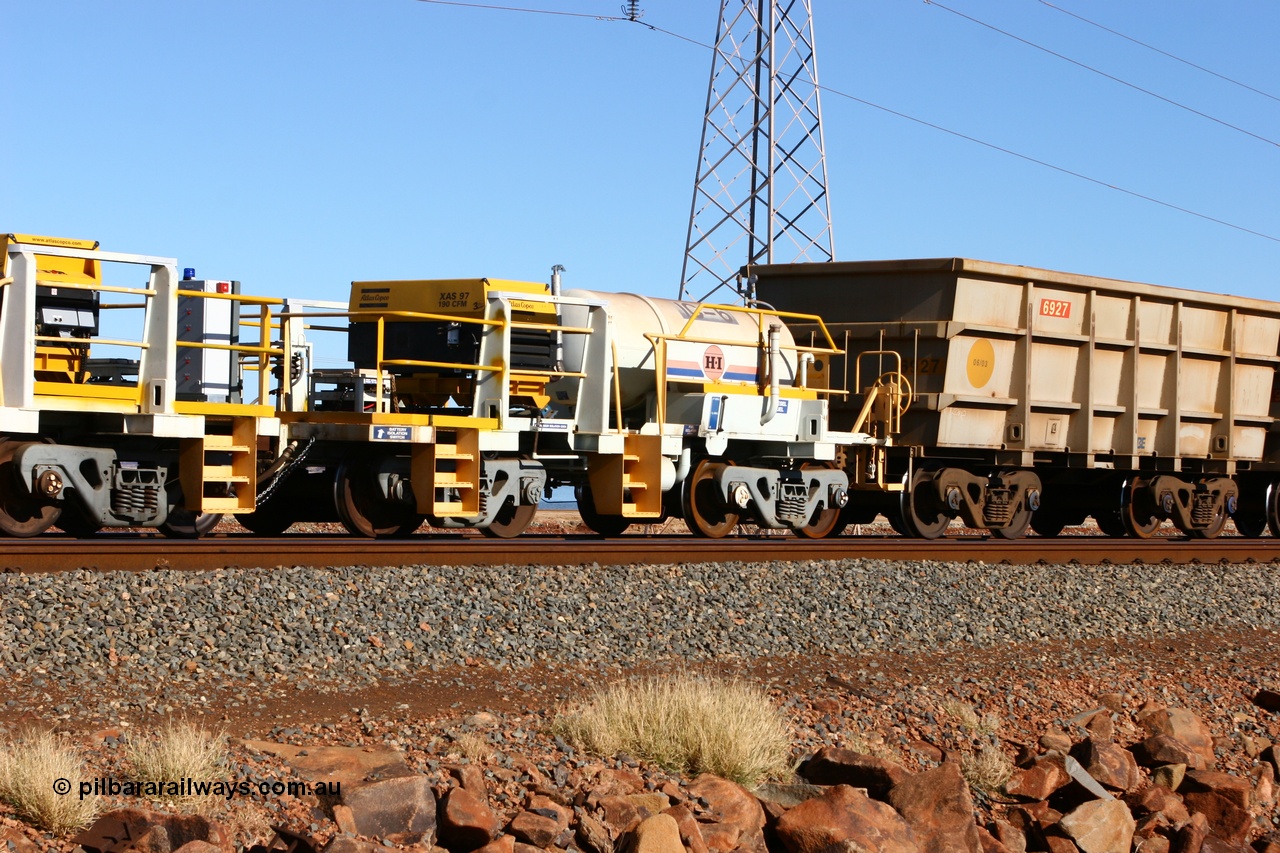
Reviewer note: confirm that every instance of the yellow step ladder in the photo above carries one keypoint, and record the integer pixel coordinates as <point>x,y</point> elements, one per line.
<point>630,484</point>
<point>452,462</point>
<point>219,470</point>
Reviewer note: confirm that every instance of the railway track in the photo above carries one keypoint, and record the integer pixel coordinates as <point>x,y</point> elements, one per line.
<point>130,553</point>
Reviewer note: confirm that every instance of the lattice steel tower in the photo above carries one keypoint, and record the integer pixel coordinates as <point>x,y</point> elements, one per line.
<point>760,193</point>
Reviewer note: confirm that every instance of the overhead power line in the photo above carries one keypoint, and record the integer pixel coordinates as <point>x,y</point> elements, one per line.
<point>991,145</point>
<point>1151,47</point>
<point>1102,73</point>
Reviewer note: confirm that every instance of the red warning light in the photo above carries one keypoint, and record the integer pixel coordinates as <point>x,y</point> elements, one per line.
<point>224,287</point>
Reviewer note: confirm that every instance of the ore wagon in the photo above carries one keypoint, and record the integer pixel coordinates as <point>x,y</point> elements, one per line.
<point>1041,397</point>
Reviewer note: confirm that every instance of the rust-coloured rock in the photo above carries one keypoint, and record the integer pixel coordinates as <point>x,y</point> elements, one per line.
<point>1040,779</point>
<point>198,847</point>
<point>729,804</point>
<point>990,844</point>
<point>155,832</point>
<point>690,831</point>
<point>547,807</point>
<point>657,834</point>
<point>13,840</point>
<point>1166,749</point>
<point>1157,799</point>
<point>845,819</point>
<point>466,822</point>
<point>1191,837</point>
<point>501,844</point>
<point>471,777</point>
<point>534,829</point>
<point>593,835</point>
<point>351,766</point>
<point>1226,820</point>
<point>937,806</point>
<point>620,814</point>
<point>1182,725</point>
<point>1232,788</point>
<point>1010,836</point>
<point>1112,765</point>
<point>1100,826</point>
<point>1268,700</point>
<point>834,766</point>
<point>403,808</point>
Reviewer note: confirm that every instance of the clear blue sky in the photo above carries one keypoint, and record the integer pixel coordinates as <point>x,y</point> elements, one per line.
<point>299,145</point>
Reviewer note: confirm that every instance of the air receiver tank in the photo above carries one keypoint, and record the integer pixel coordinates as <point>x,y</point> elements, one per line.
<point>720,346</point>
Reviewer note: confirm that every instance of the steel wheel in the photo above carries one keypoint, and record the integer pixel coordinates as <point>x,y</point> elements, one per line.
<point>1273,509</point>
<point>1139,520</point>
<point>182,523</point>
<point>512,520</point>
<point>825,521</point>
<point>21,513</point>
<point>270,519</point>
<point>605,525</point>
<point>705,510</point>
<point>922,517</point>
<point>363,510</point>
<point>1017,528</point>
<point>1110,523</point>
<point>75,520</point>
<point>1250,525</point>
<point>1213,530</point>
<point>1048,523</point>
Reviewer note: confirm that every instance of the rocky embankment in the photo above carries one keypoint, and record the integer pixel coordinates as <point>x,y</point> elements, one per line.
<point>931,707</point>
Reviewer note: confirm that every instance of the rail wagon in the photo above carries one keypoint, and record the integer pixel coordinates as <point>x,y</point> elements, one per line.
<point>467,400</point>
<point>1041,397</point>
<point>124,405</point>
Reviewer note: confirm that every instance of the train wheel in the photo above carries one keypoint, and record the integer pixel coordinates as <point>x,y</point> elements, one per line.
<point>512,520</point>
<point>1273,509</point>
<point>824,522</point>
<point>1250,525</point>
<point>184,524</point>
<point>363,510</point>
<point>75,521</point>
<point>1017,528</point>
<point>704,508</point>
<point>1140,521</point>
<point>21,513</point>
<point>922,517</point>
<point>1048,523</point>
<point>266,520</point>
<point>1213,530</point>
<point>1110,523</point>
<point>605,525</point>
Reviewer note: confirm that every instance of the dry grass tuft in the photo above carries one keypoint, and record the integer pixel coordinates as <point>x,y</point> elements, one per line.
<point>30,767</point>
<point>179,750</point>
<point>686,724</point>
<point>988,769</point>
<point>967,718</point>
<point>473,745</point>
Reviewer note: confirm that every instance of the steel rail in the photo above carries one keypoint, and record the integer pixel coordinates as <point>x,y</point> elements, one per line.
<point>128,553</point>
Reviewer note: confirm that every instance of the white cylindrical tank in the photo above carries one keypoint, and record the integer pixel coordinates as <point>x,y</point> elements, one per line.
<point>734,337</point>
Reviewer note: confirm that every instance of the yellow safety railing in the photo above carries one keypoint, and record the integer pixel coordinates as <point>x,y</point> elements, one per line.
<point>659,343</point>
<point>260,352</point>
<point>381,317</point>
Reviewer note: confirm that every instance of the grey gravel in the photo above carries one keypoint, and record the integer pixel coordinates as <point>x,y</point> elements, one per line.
<point>313,625</point>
